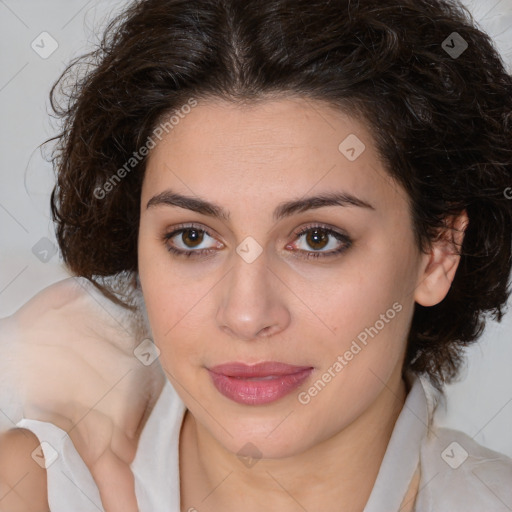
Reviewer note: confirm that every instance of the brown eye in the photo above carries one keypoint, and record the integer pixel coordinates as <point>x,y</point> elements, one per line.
<point>192,237</point>
<point>317,238</point>
<point>191,241</point>
<point>319,241</point>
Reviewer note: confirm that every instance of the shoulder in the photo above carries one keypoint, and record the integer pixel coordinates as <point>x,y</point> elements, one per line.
<point>463,475</point>
<point>23,483</point>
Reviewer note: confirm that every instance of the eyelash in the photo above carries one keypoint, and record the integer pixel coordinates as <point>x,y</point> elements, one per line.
<point>341,237</point>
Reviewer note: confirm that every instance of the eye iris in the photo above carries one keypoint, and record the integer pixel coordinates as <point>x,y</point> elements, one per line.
<point>317,238</point>
<point>192,237</point>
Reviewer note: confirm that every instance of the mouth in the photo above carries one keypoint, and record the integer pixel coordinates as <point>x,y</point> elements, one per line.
<point>257,384</point>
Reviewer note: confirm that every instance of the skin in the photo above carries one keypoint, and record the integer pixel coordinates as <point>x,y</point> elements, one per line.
<point>208,310</point>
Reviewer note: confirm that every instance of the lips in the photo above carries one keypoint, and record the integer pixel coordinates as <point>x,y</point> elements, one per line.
<point>257,384</point>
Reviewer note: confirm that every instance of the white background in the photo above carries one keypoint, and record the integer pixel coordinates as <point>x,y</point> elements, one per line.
<point>481,404</point>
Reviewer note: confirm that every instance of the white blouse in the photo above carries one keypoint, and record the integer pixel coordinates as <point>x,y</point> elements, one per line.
<point>456,473</point>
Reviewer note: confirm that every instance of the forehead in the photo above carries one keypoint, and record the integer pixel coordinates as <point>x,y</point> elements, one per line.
<point>276,148</point>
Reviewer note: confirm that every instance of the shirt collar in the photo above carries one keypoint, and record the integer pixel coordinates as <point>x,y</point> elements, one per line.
<point>402,455</point>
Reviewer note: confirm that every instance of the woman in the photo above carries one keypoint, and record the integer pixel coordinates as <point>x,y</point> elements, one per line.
<point>310,197</point>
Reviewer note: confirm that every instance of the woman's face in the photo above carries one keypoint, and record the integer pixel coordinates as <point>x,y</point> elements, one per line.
<point>268,273</point>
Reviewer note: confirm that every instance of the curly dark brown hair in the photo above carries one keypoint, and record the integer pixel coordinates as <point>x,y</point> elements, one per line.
<point>442,123</point>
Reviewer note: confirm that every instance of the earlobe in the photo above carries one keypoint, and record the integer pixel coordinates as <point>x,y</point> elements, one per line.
<point>441,262</point>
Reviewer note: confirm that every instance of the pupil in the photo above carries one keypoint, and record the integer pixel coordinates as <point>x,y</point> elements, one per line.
<point>317,238</point>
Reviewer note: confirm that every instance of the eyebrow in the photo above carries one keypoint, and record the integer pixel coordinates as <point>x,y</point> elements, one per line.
<point>286,209</point>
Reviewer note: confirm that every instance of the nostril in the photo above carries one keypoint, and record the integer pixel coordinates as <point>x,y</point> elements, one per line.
<point>266,331</point>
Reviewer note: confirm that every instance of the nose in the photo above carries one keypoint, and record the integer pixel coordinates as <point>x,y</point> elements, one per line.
<point>252,302</point>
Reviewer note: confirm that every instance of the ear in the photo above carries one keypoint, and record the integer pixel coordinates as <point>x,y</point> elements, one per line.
<point>440,263</point>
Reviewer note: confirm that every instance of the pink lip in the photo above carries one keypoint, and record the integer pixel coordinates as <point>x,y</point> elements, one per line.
<point>242,383</point>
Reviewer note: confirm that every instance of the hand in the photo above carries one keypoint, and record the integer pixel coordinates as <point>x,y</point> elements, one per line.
<point>71,359</point>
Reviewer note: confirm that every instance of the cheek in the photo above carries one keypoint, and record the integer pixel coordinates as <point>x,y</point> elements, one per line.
<point>175,304</point>
<point>172,310</point>
<point>367,307</point>
<point>369,316</point>
<point>346,300</point>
